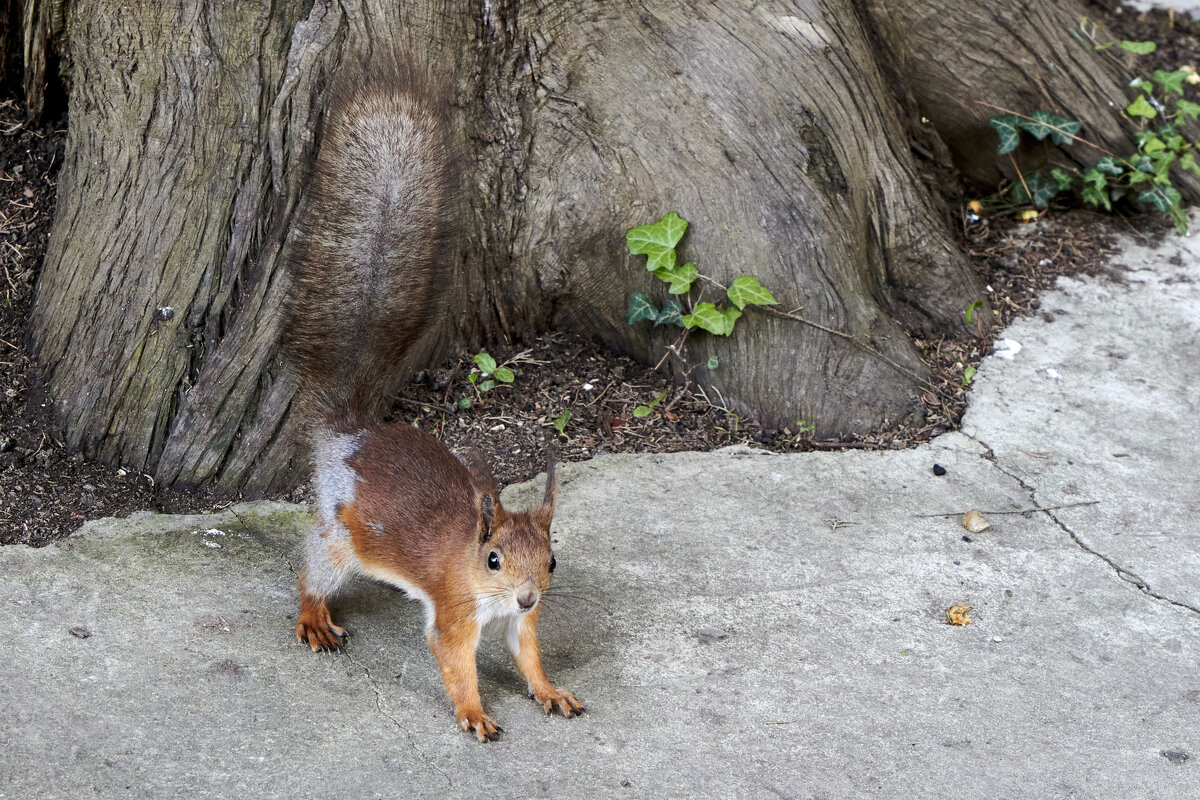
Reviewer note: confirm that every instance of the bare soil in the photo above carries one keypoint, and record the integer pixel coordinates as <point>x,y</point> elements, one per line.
<point>46,492</point>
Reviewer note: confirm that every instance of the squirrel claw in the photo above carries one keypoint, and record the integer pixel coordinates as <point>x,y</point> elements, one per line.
<point>484,728</point>
<point>325,638</point>
<point>563,700</point>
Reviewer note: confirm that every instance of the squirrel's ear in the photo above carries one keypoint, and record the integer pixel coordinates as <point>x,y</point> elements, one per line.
<point>481,474</point>
<point>545,513</point>
<point>487,514</point>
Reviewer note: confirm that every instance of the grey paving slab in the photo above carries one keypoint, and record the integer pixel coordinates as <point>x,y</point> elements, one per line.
<point>743,624</point>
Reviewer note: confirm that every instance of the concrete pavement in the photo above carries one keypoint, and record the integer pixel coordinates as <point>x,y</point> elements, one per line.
<point>744,624</point>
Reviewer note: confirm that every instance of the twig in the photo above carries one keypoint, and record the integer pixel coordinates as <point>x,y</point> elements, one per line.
<point>1018,511</point>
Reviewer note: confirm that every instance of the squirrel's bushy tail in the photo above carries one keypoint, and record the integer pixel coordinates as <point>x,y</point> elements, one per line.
<point>370,262</point>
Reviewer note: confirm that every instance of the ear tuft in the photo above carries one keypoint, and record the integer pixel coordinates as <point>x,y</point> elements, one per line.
<point>544,515</point>
<point>487,514</point>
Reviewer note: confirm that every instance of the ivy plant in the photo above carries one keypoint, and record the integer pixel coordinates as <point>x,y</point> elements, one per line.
<point>1143,176</point>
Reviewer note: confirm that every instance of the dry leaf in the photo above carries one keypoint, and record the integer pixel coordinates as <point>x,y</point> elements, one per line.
<point>975,206</point>
<point>975,522</point>
<point>958,614</point>
<point>1027,216</point>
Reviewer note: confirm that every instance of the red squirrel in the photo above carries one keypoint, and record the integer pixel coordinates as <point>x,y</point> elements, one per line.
<point>369,261</point>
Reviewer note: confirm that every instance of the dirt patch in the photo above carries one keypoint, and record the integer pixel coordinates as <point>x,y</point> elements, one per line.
<point>47,492</point>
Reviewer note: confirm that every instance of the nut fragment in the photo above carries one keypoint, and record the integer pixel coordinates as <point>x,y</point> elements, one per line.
<point>958,614</point>
<point>975,522</point>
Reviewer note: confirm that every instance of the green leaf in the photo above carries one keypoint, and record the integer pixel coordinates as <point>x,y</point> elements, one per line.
<point>1041,190</point>
<point>1095,178</point>
<point>712,319</point>
<point>464,403</point>
<point>1140,108</point>
<point>969,375</point>
<point>1187,108</point>
<point>1010,135</point>
<point>485,363</point>
<point>487,385</point>
<point>712,362</point>
<point>747,289</point>
<point>1152,144</point>
<point>473,377</point>
<point>1139,176</point>
<point>671,314</point>
<point>1188,161</point>
<point>1161,198</point>
<point>680,277</point>
<point>639,309</point>
<point>1095,197</point>
<point>504,375</point>
<point>641,411</point>
<point>560,424</point>
<point>1063,180</point>
<point>1141,48</point>
<point>1042,124</point>
<point>657,242</point>
<point>1171,81</point>
<point>657,400</point>
<point>971,309</point>
<point>1109,164</point>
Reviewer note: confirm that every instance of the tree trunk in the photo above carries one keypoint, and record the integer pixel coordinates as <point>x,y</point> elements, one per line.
<point>770,128</point>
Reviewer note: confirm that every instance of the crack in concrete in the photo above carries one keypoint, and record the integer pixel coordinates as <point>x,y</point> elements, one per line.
<point>379,707</point>
<point>379,702</point>
<point>1127,575</point>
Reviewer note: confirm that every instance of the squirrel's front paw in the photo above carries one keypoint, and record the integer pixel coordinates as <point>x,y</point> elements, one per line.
<point>320,634</point>
<point>557,697</point>
<point>484,728</point>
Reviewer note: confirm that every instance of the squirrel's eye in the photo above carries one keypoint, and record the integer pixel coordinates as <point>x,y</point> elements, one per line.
<point>493,560</point>
<point>553,563</point>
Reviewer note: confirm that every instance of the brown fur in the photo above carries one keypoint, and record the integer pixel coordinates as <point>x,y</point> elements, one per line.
<point>369,269</point>
<point>370,259</point>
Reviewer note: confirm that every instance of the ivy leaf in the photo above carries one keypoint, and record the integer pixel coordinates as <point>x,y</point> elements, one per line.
<point>747,289</point>
<point>639,309</point>
<point>1188,161</point>
<point>1042,124</point>
<point>1007,126</point>
<point>1161,198</point>
<point>712,319</point>
<point>1140,176</point>
<point>1152,144</point>
<point>1095,179</point>
<point>657,242</point>
<point>680,277</point>
<point>504,375</point>
<point>671,314</point>
<point>486,363</point>
<point>1096,197</point>
<point>1141,48</point>
<point>1187,108</point>
<point>1109,164</point>
<point>1041,190</point>
<point>713,363</point>
<point>1063,180</point>
<point>1171,81</point>
<point>1140,108</point>
<point>487,385</point>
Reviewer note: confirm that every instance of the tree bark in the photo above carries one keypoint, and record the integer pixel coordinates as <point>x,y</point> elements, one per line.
<point>770,128</point>
<point>966,61</point>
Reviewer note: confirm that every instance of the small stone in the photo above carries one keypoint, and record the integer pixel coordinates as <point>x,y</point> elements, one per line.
<point>975,521</point>
<point>710,634</point>
<point>939,470</point>
<point>80,633</point>
<point>1175,756</point>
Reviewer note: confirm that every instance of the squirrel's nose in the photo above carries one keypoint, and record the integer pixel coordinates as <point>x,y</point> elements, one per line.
<point>527,599</point>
